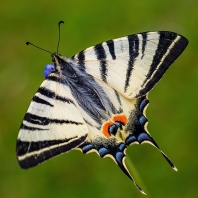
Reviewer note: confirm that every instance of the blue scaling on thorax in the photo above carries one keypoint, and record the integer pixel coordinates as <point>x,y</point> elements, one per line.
<point>48,70</point>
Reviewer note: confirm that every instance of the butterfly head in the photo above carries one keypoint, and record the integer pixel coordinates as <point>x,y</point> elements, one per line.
<point>50,68</point>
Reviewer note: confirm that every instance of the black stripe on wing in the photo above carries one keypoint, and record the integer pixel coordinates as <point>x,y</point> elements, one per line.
<point>50,94</point>
<point>54,78</point>
<point>31,128</point>
<point>170,46</point>
<point>118,97</point>
<point>81,59</point>
<point>41,101</point>
<point>110,44</point>
<point>101,56</point>
<point>43,121</point>
<point>33,153</point>
<point>133,54</point>
<point>144,41</point>
<point>165,40</point>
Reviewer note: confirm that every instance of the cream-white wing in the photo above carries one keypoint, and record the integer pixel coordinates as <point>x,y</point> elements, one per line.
<point>51,126</point>
<point>133,64</point>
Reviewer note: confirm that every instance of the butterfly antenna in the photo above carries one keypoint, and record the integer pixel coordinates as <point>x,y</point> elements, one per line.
<point>59,35</point>
<point>28,43</point>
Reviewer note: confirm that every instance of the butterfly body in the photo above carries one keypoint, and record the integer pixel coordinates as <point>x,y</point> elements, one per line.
<point>97,99</point>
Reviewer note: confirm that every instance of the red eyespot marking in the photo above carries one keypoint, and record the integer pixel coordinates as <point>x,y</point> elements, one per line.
<point>120,118</point>
<point>105,128</point>
<point>116,118</point>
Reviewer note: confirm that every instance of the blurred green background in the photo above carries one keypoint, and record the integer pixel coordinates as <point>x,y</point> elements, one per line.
<point>172,112</point>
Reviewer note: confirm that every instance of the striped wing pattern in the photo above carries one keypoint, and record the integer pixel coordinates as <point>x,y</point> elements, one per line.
<point>51,126</point>
<point>97,99</point>
<point>133,64</point>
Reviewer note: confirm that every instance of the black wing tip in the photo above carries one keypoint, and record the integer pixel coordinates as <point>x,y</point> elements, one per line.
<point>171,35</point>
<point>183,41</point>
<point>24,164</point>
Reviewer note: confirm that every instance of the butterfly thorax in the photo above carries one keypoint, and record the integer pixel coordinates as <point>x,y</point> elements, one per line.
<point>89,95</point>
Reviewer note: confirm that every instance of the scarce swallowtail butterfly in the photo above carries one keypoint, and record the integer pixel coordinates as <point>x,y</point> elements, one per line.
<point>97,99</point>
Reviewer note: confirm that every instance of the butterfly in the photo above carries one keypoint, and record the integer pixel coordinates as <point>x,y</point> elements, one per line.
<point>97,99</point>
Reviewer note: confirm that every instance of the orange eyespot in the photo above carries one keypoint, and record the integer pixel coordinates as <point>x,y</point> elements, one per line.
<point>120,118</point>
<point>105,128</point>
<point>116,118</point>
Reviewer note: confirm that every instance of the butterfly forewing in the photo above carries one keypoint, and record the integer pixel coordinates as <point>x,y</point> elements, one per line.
<point>51,126</point>
<point>133,64</point>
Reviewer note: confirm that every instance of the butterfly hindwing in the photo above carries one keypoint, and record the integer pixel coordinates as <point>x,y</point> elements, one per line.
<point>126,125</point>
<point>108,140</point>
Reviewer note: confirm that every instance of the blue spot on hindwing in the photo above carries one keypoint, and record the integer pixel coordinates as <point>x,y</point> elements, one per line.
<point>122,146</point>
<point>87,148</point>
<point>103,151</point>
<point>48,70</point>
<point>142,120</point>
<point>143,104</point>
<point>113,129</point>
<point>119,156</point>
<point>130,139</point>
<point>143,136</point>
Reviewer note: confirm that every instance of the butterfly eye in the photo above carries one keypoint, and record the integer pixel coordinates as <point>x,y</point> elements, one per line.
<point>48,70</point>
